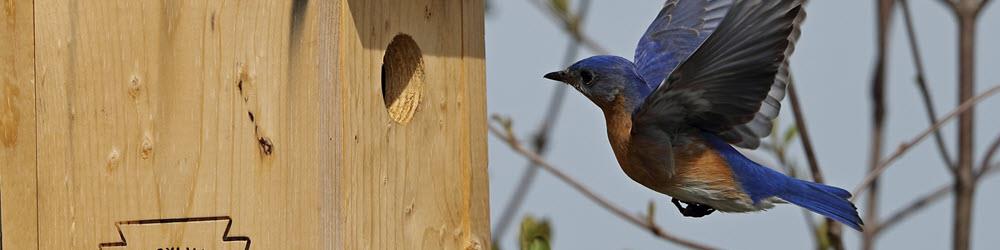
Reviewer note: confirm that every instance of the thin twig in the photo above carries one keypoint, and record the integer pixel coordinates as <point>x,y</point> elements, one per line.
<point>984,166</point>
<point>950,4</point>
<point>924,201</point>
<point>833,237</point>
<point>879,107</point>
<point>571,27</point>
<point>800,124</point>
<point>905,146</point>
<point>833,230</point>
<point>902,214</point>
<point>541,138</point>
<point>511,140</point>
<point>982,6</point>
<point>921,81</point>
<point>777,148</point>
<point>913,208</point>
<point>991,169</point>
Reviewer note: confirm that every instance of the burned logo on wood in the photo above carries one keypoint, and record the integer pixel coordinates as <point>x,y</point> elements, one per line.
<point>195,233</point>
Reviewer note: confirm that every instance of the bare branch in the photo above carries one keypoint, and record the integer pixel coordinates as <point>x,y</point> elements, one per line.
<point>571,26</point>
<point>541,138</point>
<point>905,146</point>
<point>904,213</point>
<point>982,6</point>
<point>800,124</point>
<point>913,208</point>
<point>879,107</point>
<point>991,169</point>
<point>921,81</point>
<point>833,230</point>
<point>964,178</point>
<point>984,166</point>
<point>925,200</point>
<point>511,140</point>
<point>951,4</point>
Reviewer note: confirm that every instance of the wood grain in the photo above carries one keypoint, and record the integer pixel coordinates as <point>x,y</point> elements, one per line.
<point>266,113</point>
<point>175,109</point>
<point>415,184</point>
<point>474,57</point>
<point>17,126</point>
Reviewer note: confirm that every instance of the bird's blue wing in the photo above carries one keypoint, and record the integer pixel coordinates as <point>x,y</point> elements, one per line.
<point>677,31</point>
<point>732,83</point>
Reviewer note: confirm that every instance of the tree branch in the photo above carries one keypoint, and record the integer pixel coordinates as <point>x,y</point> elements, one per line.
<point>905,146</point>
<point>984,166</point>
<point>925,200</point>
<point>964,180</point>
<point>800,124</point>
<point>904,213</point>
<point>571,26</point>
<point>541,138</point>
<point>833,230</point>
<point>913,208</point>
<point>884,15</point>
<point>982,6</point>
<point>921,81</point>
<point>950,4</point>
<point>507,136</point>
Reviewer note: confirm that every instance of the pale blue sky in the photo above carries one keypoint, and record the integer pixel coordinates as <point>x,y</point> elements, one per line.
<point>832,65</point>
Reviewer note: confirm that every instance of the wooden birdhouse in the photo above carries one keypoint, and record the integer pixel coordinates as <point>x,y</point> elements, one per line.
<point>322,124</point>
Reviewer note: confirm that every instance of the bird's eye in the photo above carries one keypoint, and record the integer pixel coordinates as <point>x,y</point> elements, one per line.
<point>586,77</point>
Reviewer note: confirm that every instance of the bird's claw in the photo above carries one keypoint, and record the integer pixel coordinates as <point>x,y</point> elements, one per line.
<point>692,209</point>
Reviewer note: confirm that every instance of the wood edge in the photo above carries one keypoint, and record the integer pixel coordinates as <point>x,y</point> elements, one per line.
<point>22,151</point>
<point>473,57</point>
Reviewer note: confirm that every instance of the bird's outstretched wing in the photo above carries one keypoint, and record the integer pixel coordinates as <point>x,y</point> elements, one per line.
<point>677,31</point>
<point>748,135</point>
<point>733,83</point>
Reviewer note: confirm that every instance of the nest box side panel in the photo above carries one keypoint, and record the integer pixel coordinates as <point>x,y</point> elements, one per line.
<point>414,170</point>
<point>17,126</point>
<point>474,59</point>
<point>158,120</point>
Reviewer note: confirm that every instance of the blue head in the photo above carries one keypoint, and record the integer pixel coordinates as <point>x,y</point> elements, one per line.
<point>603,79</point>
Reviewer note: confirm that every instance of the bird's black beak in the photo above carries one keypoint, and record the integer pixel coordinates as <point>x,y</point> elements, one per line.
<point>561,76</point>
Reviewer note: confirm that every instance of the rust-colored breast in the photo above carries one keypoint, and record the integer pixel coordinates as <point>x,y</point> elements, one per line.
<point>699,163</point>
<point>619,122</point>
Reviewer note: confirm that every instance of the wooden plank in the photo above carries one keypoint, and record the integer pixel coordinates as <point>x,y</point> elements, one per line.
<point>311,118</point>
<point>328,28</point>
<point>474,61</point>
<point>181,109</point>
<point>407,185</point>
<point>17,126</point>
<point>256,119</point>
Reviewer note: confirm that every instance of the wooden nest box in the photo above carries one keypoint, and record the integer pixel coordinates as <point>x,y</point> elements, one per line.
<point>322,124</point>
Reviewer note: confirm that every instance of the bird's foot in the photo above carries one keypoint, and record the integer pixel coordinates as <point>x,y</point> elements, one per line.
<point>692,209</point>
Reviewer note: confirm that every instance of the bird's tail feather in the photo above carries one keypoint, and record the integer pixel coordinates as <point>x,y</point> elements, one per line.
<point>826,200</point>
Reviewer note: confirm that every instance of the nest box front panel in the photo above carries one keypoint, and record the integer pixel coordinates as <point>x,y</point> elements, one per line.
<point>352,124</point>
<point>414,169</point>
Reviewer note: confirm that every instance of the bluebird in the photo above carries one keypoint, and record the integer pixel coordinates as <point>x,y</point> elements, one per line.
<point>708,75</point>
